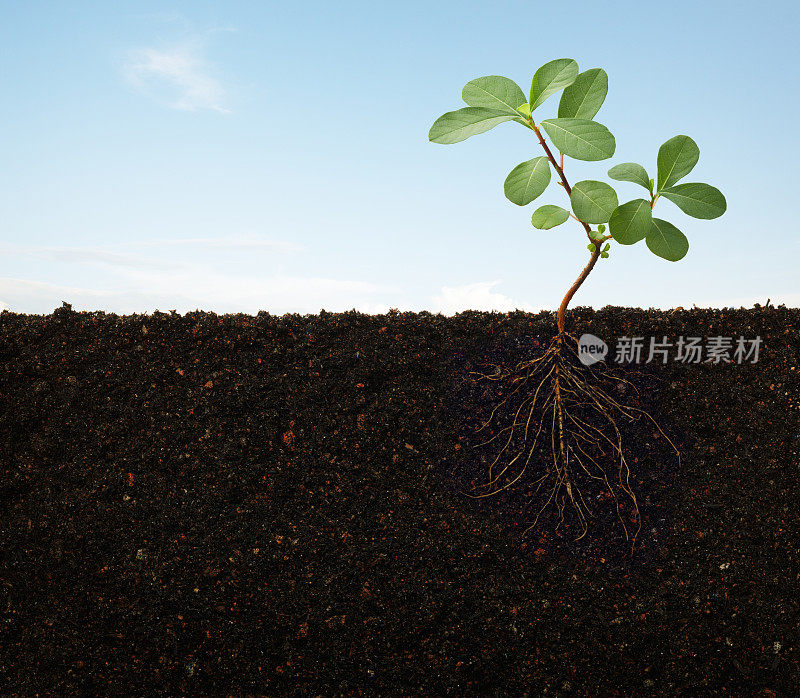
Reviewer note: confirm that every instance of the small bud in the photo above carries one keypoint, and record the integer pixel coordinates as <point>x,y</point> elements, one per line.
<point>590,247</point>
<point>601,228</point>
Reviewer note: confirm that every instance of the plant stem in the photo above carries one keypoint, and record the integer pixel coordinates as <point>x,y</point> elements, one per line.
<point>562,309</point>
<point>551,158</point>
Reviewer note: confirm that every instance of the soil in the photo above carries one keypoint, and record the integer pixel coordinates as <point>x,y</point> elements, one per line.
<point>266,505</point>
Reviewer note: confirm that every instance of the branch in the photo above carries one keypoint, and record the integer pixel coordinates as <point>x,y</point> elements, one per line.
<point>559,169</point>
<point>550,157</point>
<point>562,309</point>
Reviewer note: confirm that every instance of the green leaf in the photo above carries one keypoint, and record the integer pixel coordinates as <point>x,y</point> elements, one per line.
<point>601,228</point>
<point>455,126</point>
<point>595,235</point>
<point>527,181</point>
<point>697,199</point>
<point>592,201</point>
<point>607,247</point>
<point>494,92</point>
<point>584,97</point>
<point>604,255</point>
<point>631,222</point>
<point>591,247</point>
<point>548,216</point>
<point>631,172</point>
<point>666,241</point>
<point>580,138</point>
<point>524,109</point>
<point>550,78</point>
<point>676,158</point>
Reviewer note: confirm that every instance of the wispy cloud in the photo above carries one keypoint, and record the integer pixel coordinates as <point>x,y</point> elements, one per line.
<point>25,296</point>
<point>87,255</point>
<point>120,282</point>
<point>178,76</point>
<point>107,256</point>
<point>146,291</point>
<point>477,296</point>
<point>790,300</point>
<point>238,242</point>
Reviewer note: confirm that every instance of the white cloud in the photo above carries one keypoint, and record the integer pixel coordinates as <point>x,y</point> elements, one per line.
<point>24,296</point>
<point>790,300</point>
<point>229,292</point>
<point>214,292</point>
<point>477,296</point>
<point>164,262</point>
<point>223,242</point>
<point>90,255</point>
<point>179,77</point>
<point>374,308</point>
<point>120,282</point>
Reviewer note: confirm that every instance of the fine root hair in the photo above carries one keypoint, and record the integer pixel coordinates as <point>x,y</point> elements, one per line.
<point>560,422</point>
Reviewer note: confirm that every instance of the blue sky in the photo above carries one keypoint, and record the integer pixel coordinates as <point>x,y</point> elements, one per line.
<point>245,156</point>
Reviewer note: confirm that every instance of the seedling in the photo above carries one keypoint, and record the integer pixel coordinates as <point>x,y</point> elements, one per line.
<point>583,427</point>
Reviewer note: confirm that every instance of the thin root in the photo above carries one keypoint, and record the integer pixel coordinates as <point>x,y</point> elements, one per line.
<point>556,392</point>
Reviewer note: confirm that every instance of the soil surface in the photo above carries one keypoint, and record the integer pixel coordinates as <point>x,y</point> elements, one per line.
<point>237,504</point>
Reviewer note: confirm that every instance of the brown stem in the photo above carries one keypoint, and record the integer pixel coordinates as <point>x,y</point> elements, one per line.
<point>550,157</point>
<point>562,309</point>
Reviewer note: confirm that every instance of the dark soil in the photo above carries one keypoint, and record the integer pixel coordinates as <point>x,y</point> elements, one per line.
<point>271,505</point>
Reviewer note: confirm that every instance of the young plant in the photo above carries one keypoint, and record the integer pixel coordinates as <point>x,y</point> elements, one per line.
<point>573,397</point>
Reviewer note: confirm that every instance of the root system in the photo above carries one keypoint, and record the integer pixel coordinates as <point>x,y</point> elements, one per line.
<point>561,420</point>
